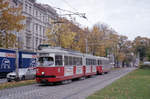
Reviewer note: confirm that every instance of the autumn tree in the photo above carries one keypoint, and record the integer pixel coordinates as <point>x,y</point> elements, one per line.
<point>10,22</point>
<point>100,40</point>
<point>61,35</point>
<point>141,46</point>
<point>95,41</point>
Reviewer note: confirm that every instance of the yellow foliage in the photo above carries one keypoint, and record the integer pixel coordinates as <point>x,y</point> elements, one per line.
<point>121,56</point>
<point>98,40</point>
<point>10,20</point>
<point>67,39</point>
<point>61,35</point>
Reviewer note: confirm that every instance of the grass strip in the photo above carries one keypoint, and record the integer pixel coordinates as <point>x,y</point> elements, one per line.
<point>135,85</point>
<point>16,84</point>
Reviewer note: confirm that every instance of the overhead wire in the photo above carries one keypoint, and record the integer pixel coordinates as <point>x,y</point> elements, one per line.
<point>68,4</point>
<point>69,13</point>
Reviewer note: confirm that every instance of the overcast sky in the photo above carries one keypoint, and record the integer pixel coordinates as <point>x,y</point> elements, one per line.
<point>127,17</point>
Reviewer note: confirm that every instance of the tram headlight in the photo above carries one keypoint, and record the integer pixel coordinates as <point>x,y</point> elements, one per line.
<point>43,73</point>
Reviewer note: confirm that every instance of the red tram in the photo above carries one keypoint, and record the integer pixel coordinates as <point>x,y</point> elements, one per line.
<point>60,65</point>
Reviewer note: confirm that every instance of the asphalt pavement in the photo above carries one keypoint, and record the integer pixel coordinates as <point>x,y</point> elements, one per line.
<point>3,80</point>
<point>75,90</point>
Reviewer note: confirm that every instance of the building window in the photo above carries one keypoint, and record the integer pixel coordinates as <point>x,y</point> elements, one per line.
<point>43,18</point>
<point>28,42</point>
<point>33,27</point>
<point>26,7</point>
<point>43,32</point>
<point>36,42</point>
<point>36,13</point>
<point>28,24</point>
<point>30,10</point>
<point>40,30</point>
<point>40,16</point>
<point>36,27</point>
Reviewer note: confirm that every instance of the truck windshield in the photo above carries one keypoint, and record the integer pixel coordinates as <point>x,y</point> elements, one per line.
<point>45,61</point>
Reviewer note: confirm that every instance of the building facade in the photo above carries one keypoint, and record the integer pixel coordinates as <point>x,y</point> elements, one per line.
<point>38,19</point>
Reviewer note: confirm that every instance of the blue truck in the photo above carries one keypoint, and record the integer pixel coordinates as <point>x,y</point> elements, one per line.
<point>8,60</point>
<point>27,59</point>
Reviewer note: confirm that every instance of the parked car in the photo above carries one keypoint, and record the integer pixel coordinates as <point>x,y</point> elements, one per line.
<point>24,74</point>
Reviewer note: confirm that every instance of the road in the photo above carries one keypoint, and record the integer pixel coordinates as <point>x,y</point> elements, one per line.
<point>75,90</point>
<point>3,80</point>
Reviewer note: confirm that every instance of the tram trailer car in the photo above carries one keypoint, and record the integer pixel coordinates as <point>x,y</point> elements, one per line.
<point>106,65</point>
<point>66,65</point>
<point>90,64</point>
<point>7,62</point>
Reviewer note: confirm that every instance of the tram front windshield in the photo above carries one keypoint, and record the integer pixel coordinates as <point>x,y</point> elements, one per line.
<point>45,61</point>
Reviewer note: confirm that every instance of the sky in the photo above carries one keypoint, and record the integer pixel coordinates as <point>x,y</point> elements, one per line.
<point>128,17</point>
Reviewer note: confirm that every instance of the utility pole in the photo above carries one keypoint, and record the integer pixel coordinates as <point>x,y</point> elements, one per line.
<point>17,50</point>
<point>17,58</point>
<point>86,45</point>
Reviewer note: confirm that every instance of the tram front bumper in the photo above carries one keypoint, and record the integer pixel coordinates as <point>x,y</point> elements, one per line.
<point>45,79</point>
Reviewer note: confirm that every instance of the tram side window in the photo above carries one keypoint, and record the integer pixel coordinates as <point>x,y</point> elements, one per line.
<point>74,60</point>
<point>99,62</point>
<point>66,60</point>
<point>80,61</point>
<point>90,61</point>
<point>86,61</point>
<point>58,60</point>
<point>70,60</point>
<point>95,62</point>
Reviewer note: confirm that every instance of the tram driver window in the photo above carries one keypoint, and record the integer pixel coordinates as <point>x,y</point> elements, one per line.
<point>45,61</point>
